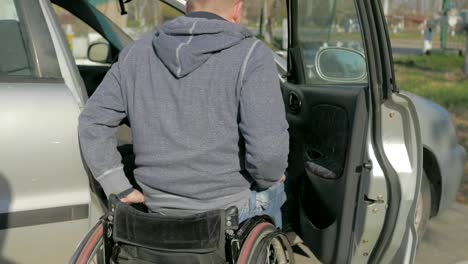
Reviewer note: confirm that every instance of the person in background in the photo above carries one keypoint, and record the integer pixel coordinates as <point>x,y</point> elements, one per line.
<point>427,46</point>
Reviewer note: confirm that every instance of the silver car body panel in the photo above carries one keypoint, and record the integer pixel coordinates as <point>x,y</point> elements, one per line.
<point>43,174</point>
<point>403,148</point>
<point>47,243</point>
<point>440,138</point>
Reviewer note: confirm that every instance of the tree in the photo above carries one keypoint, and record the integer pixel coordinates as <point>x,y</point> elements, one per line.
<point>137,11</point>
<point>460,4</point>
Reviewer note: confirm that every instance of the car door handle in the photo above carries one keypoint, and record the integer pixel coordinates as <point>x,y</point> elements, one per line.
<point>294,103</point>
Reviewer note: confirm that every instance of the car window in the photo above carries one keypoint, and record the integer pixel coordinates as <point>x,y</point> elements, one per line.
<point>79,35</point>
<point>331,43</point>
<point>14,56</point>
<point>142,18</point>
<point>268,20</point>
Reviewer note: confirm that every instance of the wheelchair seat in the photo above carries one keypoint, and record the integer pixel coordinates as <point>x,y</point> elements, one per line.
<point>128,235</point>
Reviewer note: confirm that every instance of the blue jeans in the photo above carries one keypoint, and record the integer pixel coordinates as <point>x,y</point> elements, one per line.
<point>268,202</point>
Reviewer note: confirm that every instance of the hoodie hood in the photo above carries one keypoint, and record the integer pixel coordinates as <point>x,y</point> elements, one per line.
<point>186,43</point>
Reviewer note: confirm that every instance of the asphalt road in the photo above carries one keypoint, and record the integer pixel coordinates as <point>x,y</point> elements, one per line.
<point>406,47</point>
<point>445,240</point>
<point>399,51</point>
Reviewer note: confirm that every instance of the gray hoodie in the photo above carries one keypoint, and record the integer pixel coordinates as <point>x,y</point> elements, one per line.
<point>206,113</point>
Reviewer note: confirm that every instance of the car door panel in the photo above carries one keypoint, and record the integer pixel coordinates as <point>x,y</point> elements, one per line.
<point>34,244</point>
<point>344,206</point>
<point>327,138</point>
<point>403,147</point>
<point>395,126</point>
<point>46,183</point>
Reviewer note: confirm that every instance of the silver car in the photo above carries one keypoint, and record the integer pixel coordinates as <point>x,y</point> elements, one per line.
<point>368,164</point>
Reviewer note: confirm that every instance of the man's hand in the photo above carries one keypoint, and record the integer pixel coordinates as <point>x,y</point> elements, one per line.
<point>134,197</point>
<point>283,179</point>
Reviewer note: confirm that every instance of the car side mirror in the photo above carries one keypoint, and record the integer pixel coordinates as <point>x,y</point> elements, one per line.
<point>336,64</point>
<point>99,52</point>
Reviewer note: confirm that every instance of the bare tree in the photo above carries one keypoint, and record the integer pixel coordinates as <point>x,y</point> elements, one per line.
<point>460,4</point>
<point>137,10</point>
<point>419,6</point>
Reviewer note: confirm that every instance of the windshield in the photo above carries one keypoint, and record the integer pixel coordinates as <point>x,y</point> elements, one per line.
<point>143,15</point>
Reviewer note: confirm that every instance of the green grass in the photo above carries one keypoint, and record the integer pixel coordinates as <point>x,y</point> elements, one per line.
<point>438,78</point>
<point>436,62</point>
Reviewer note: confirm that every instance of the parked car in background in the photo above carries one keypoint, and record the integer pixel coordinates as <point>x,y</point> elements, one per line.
<point>362,151</point>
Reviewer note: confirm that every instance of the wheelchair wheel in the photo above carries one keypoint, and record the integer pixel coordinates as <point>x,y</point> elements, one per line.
<point>266,245</point>
<point>92,248</point>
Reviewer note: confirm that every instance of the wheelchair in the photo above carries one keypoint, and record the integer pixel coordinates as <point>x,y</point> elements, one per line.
<point>128,234</point>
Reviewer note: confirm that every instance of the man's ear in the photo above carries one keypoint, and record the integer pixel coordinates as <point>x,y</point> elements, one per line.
<point>238,11</point>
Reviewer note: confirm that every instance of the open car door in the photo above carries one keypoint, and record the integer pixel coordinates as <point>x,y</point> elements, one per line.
<point>356,152</point>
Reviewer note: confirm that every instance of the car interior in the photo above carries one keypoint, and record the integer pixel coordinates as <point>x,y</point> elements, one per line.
<point>328,130</point>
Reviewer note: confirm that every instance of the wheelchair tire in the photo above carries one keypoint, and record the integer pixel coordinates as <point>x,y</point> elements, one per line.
<point>274,248</point>
<point>91,249</point>
<point>265,244</point>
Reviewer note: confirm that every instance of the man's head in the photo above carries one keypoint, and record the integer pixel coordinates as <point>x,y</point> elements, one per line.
<point>231,10</point>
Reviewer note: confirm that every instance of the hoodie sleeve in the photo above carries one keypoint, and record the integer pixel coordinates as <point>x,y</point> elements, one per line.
<point>98,125</point>
<point>263,119</point>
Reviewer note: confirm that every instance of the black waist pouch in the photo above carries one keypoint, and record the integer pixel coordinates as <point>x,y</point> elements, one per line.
<point>142,237</point>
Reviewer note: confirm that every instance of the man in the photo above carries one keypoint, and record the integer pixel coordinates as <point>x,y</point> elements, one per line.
<point>207,116</point>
